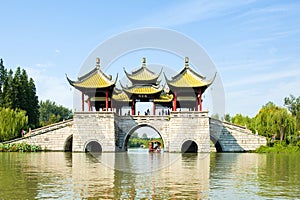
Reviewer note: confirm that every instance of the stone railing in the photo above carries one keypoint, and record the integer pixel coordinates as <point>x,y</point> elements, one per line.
<point>43,130</point>
<point>189,114</point>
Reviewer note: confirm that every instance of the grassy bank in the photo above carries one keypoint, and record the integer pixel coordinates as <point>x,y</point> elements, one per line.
<point>278,147</point>
<point>19,147</point>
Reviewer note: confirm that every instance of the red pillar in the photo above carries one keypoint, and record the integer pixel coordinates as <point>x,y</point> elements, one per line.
<point>175,102</point>
<point>200,101</point>
<point>89,104</point>
<point>133,107</point>
<point>106,100</point>
<point>197,103</point>
<point>82,101</point>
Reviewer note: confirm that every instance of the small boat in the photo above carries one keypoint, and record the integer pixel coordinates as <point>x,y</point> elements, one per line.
<point>154,146</point>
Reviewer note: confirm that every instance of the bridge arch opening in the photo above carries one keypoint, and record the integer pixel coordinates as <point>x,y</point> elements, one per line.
<point>189,146</point>
<point>69,143</point>
<point>215,145</point>
<point>141,135</point>
<point>93,146</point>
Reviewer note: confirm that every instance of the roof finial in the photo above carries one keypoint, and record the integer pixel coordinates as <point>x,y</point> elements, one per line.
<point>186,60</point>
<point>143,61</point>
<point>98,63</point>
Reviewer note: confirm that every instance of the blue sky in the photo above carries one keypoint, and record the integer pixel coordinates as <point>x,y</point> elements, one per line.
<point>255,45</point>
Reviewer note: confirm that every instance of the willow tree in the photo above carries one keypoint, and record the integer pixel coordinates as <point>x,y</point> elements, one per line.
<point>11,123</point>
<point>275,121</point>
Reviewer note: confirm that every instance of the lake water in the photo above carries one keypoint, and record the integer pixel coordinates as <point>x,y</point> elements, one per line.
<point>140,175</point>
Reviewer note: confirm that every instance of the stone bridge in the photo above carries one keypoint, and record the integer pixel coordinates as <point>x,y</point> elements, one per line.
<point>108,132</point>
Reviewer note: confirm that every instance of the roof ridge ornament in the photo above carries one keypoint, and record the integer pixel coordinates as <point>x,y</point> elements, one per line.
<point>98,63</point>
<point>186,61</point>
<point>144,62</point>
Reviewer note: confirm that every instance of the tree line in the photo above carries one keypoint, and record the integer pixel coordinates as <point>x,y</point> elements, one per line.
<point>274,122</point>
<point>20,107</point>
<point>135,141</point>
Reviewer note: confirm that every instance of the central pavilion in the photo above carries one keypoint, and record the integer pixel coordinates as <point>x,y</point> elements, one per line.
<point>183,91</point>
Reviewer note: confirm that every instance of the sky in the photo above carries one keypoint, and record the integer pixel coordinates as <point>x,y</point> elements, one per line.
<point>255,45</point>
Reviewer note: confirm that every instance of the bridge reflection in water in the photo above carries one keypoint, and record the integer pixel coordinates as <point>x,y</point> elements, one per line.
<point>191,176</point>
<point>139,174</point>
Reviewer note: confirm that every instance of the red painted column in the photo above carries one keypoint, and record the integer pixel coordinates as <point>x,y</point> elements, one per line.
<point>133,107</point>
<point>197,103</point>
<point>106,100</point>
<point>200,101</point>
<point>175,102</point>
<point>82,101</point>
<point>89,104</point>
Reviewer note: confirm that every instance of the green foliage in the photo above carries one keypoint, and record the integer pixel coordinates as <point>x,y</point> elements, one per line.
<point>19,92</point>
<point>215,116</point>
<point>19,147</point>
<point>135,141</point>
<point>246,121</point>
<point>278,148</point>
<point>3,75</point>
<point>51,113</point>
<point>33,105</point>
<point>11,123</point>
<point>275,121</point>
<point>227,118</point>
<point>293,105</point>
<point>144,136</point>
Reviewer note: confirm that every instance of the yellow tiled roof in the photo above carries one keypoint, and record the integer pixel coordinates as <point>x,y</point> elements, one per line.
<point>186,98</point>
<point>142,74</point>
<point>164,98</point>
<point>120,97</point>
<point>143,90</point>
<point>188,78</point>
<point>99,99</point>
<point>93,80</point>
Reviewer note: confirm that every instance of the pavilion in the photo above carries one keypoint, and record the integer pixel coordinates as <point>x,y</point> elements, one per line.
<point>184,90</point>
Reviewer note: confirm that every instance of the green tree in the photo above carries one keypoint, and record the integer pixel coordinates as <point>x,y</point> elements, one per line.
<point>275,121</point>
<point>227,118</point>
<point>134,135</point>
<point>33,105</point>
<point>11,123</point>
<point>17,87</point>
<point>242,120</point>
<point>3,76</point>
<point>144,136</point>
<point>51,113</point>
<point>7,92</point>
<point>17,92</point>
<point>215,116</point>
<point>293,105</point>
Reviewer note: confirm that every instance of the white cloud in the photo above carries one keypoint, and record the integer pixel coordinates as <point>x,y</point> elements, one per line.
<point>53,88</point>
<point>57,51</point>
<point>191,11</point>
<point>252,64</point>
<point>249,100</point>
<point>274,9</point>
<point>264,77</point>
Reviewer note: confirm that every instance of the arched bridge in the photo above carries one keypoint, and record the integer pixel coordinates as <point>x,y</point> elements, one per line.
<point>109,132</point>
